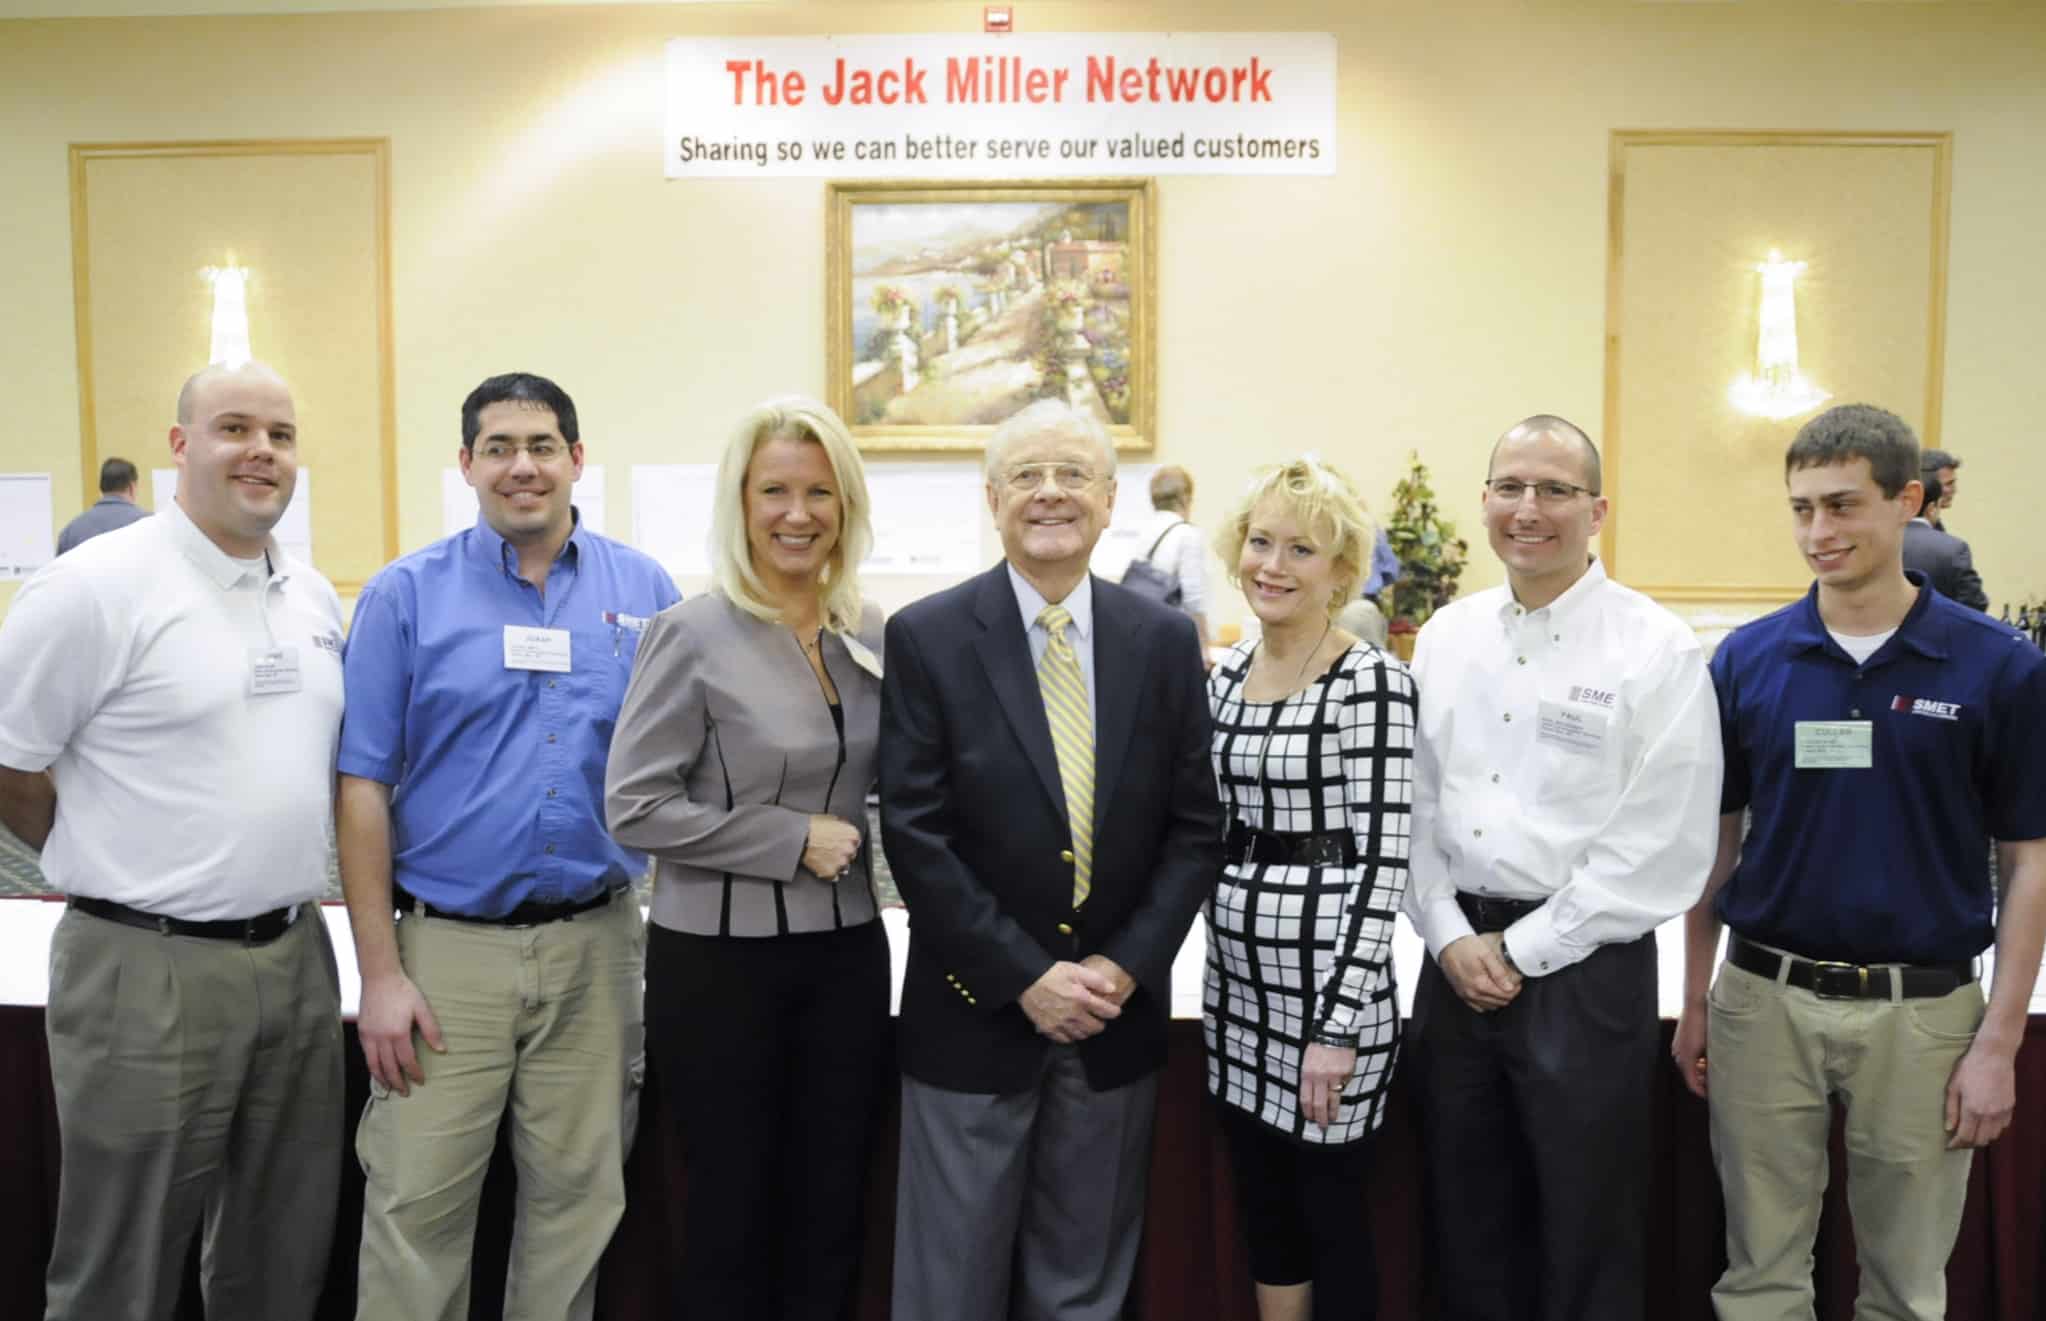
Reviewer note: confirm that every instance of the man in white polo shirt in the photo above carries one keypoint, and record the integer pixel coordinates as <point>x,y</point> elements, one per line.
<point>178,683</point>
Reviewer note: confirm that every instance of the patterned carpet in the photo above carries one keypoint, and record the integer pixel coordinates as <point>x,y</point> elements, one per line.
<point>19,874</point>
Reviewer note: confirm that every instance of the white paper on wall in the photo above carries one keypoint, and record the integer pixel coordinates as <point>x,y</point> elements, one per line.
<point>27,529</point>
<point>1122,540</point>
<point>671,505</point>
<point>927,518</point>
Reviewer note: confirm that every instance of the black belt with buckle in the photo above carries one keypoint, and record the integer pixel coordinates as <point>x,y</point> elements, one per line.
<point>531,913</point>
<point>1487,914</point>
<point>258,930</point>
<point>1306,848</point>
<point>1831,980</point>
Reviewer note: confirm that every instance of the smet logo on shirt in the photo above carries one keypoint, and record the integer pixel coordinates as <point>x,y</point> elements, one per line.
<point>1925,706</point>
<point>1594,696</point>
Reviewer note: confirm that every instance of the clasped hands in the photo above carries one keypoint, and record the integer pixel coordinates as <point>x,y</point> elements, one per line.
<point>831,847</point>
<point>1478,972</point>
<point>1073,1001</point>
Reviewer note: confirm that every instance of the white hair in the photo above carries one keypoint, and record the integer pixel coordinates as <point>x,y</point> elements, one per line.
<point>1054,418</point>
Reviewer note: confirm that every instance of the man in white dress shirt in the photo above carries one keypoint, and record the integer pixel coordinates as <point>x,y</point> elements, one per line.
<point>1565,804</point>
<point>177,682</point>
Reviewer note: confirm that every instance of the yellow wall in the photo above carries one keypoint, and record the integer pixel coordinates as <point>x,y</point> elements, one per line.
<point>1447,280</point>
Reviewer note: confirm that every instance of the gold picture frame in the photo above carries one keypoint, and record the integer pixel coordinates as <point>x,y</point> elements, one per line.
<point>952,305</point>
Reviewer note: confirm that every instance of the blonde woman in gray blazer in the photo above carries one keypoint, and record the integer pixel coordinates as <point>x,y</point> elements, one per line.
<point>741,762</point>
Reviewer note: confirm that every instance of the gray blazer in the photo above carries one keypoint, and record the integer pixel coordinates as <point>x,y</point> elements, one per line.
<point>725,747</point>
<point>1944,560</point>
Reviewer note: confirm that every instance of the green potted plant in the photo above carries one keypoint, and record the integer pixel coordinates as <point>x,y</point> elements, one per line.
<point>1430,553</point>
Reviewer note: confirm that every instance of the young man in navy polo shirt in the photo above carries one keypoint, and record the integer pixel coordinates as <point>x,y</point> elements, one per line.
<point>1880,735</point>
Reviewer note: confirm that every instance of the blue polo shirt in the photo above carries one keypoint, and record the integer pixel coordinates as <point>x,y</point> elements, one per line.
<point>1888,863</point>
<point>498,773</point>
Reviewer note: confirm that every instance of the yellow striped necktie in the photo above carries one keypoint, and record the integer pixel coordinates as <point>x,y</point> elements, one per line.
<point>1072,735</point>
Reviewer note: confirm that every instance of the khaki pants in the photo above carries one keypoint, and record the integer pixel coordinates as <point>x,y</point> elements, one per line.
<point>543,1021</point>
<point>1777,1057</point>
<point>198,1082</point>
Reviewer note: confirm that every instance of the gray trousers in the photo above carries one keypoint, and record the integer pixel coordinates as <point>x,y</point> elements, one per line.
<point>198,1084</point>
<point>1028,1206</point>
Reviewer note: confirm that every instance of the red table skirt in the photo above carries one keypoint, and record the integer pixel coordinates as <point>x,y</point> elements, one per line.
<point>1193,1265</point>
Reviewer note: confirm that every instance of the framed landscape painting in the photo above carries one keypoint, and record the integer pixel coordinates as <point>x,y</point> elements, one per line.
<point>953,305</point>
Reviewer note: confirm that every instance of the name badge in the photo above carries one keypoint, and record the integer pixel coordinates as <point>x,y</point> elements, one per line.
<point>862,655</point>
<point>1835,745</point>
<point>273,670</point>
<point>1571,729</point>
<point>527,648</point>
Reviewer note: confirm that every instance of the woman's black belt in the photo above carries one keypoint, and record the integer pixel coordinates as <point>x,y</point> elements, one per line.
<point>1304,848</point>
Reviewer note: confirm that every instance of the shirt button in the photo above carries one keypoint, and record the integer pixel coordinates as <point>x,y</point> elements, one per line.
<point>1495,777</point>
<point>1855,712</point>
<point>550,850</point>
<point>1478,833</point>
<point>1520,660</point>
<point>1509,718</point>
<point>551,684</point>
<point>1065,855</point>
<point>1065,928</point>
<point>550,737</point>
<point>550,793</point>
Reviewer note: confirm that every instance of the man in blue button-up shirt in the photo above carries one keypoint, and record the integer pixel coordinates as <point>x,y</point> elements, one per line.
<point>1880,736</point>
<point>484,675</point>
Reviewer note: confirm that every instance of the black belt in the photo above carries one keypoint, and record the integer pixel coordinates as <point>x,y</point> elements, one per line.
<point>1850,981</point>
<point>1494,914</point>
<point>531,913</point>
<point>1325,848</point>
<point>258,930</point>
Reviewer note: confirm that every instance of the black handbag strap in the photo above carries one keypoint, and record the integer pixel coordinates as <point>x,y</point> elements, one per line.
<point>1161,538</point>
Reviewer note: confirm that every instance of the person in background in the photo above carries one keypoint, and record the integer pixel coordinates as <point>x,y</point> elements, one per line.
<point>1565,791</point>
<point>1946,469</point>
<point>1173,549</point>
<point>116,506</point>
<point>1941,556</point>
<point>1881,739</point>
<point>1313,748</point>
<point>179,682</point>
<point>742,762</point>
<point>484,676</point>
<point>1050,816</point>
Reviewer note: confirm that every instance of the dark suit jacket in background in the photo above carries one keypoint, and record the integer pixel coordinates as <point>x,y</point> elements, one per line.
<point>973,818</point>
<point>1944,560</point>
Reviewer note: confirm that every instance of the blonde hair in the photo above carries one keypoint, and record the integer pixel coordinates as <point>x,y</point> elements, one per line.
<point>1326,504</point>
<point>798,418</point>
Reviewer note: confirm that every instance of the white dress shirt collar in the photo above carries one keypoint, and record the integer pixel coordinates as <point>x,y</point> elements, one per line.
<point>1079,602</point>
<point>1564,606</point>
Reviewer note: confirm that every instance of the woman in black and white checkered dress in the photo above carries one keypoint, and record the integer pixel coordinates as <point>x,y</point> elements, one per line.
<point>1313,748</point>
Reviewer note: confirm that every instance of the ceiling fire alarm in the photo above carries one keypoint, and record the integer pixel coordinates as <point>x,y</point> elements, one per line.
<point>999,18</point>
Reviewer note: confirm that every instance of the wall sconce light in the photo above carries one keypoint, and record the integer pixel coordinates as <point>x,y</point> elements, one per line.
<point>1778,389</point>
<point>230,313</point>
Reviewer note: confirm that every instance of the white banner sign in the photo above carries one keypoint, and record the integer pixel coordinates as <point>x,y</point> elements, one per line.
<point>1000,107</point>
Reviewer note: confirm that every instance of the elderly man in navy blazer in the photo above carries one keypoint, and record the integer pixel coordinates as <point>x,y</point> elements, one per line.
<point>1049,813</point>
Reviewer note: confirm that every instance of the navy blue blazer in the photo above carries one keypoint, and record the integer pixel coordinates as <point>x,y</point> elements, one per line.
<point>973,819</point>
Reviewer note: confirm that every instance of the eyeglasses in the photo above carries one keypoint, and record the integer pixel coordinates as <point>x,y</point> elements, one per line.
<point>1508,490</point>
<point>1026,478</point>
<point>540,451</point>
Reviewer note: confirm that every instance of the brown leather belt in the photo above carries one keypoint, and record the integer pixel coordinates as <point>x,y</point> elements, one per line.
<point>528,914</point>
<point>1832,980</point>
<point>258,930</point>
